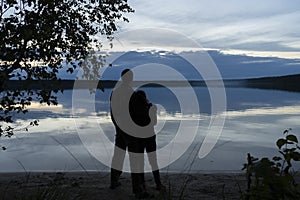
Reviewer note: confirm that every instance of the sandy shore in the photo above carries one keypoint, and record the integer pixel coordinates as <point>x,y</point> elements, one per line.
<point>95,185</point>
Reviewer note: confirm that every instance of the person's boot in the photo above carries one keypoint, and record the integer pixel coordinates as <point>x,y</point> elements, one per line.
<point>159,185</point>
<point>114,178</point>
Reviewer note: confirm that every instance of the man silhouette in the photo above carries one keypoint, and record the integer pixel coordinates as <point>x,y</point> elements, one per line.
<point>120,109</point>
<point>117,111</point>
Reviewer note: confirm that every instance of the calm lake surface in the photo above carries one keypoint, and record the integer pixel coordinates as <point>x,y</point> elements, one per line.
<point>78,134</point>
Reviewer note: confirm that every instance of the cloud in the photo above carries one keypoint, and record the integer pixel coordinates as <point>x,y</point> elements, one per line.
<point>244,25</point>
<point>289,110</point>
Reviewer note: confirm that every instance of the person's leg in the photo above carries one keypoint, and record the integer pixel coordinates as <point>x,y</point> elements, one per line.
<point>136,158</point>
<point>142,163</point>
<point>152,157</point>
<point>117,160</point>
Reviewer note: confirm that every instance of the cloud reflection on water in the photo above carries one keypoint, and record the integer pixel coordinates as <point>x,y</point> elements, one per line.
<point>247,129</point>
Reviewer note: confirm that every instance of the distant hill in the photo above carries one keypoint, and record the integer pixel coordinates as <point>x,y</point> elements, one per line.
<point>230,66</point>
<point>288,83</point>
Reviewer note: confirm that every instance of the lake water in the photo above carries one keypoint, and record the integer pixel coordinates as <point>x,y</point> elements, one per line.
<point>78,133</point>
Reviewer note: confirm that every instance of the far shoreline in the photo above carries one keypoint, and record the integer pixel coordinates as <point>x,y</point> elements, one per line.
<point>287,83</point>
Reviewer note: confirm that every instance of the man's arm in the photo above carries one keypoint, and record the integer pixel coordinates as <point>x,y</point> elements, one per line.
<point>153,114</point>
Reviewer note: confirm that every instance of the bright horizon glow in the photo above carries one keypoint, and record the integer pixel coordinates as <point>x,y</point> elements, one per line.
<point>276,54</point>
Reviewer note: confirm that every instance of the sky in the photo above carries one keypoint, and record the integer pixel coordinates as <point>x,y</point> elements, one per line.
<point>256,27</point>
<point>270,27</point>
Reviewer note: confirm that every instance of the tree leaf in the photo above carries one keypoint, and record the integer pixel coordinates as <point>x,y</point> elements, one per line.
<point>277,158</point>
<point>292,138</point>
<point>296,156</point>
<point>280,142</point>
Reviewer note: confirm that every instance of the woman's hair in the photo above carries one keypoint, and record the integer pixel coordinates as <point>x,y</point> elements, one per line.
<point>141,92</point>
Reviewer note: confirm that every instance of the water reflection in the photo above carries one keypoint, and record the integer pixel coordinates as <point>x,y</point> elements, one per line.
<point>255,119</point>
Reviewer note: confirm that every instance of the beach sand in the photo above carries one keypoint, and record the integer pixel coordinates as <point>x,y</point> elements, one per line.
<point>95,185</point>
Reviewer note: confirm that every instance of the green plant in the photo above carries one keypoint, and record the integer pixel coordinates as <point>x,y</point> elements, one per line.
<point>274,178</point>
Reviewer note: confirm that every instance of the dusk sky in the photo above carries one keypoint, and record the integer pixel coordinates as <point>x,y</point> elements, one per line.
<point>242,39</point>
<point>263,28</point>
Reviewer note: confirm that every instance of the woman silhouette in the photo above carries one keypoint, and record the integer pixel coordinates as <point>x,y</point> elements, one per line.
<point>146,115</point>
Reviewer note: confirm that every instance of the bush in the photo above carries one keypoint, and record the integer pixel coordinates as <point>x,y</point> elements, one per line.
<point>274,178</point>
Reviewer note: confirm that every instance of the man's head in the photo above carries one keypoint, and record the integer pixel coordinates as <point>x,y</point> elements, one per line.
<point>127,76</point>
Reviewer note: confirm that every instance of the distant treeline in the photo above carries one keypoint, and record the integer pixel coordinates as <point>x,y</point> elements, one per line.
<point>288,83</point>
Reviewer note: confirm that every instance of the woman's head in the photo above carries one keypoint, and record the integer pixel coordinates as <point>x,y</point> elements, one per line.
<point>142,93</point>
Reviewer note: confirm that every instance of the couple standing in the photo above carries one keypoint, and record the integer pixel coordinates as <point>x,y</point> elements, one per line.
<point>134,119</point>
